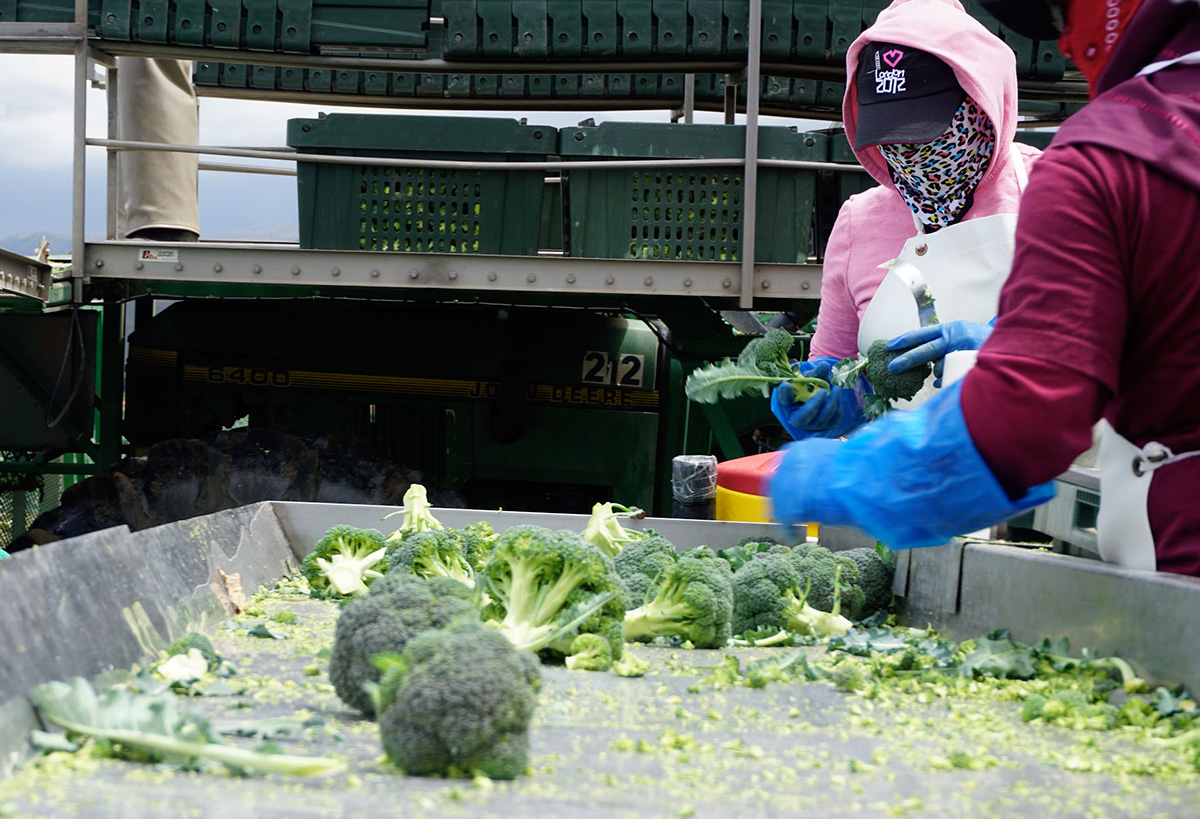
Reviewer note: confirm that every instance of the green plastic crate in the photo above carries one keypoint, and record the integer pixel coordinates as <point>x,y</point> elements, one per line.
<point>44,11</point>
<point>371,207</point>
<point>686,213</point>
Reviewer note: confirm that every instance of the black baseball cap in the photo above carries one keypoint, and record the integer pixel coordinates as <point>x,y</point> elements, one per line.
<point>1035,19</point>
<point>904,95</point>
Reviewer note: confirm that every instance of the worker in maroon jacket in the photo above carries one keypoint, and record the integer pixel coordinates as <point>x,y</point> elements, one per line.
<point>1099,319</point>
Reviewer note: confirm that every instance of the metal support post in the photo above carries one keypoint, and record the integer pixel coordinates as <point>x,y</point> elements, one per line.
<point>750,176</point>
<point>79,155</point>
<point>113,157</point>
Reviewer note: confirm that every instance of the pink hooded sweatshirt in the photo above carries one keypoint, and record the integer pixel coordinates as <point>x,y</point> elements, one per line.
<point>873,226</point>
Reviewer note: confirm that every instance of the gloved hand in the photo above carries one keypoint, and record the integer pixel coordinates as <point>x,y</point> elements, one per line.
<point>910,479</point>
<point>829,413</point>
<point>933,342</point>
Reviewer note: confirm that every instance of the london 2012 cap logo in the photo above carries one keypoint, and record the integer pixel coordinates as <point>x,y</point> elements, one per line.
<point>889,81</point>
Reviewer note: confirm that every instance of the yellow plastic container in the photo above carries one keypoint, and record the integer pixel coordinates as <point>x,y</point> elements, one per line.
<point>742,489</point>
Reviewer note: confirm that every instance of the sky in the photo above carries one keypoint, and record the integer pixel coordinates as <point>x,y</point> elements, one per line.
<point>36,100</point>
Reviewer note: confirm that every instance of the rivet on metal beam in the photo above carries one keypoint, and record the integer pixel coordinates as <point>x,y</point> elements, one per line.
<point>649,280</point>
<point>687,282</point>
<point>726,283</point>
<point>374,273</point>
<point>766,284</point>
<point>570,278</point>
<point>609,280</point>
<point>804,285</point>
<point>138,265</point>
<point>178,267</point>
<point>295,270</point>
<point>491,277</point>
<point>413,274</point>
<point>256,269</point>
<point>337,271</point>
<point>217,268</point>
<point>531,278</point>
<point>453,276</point>
<point>99,263</point>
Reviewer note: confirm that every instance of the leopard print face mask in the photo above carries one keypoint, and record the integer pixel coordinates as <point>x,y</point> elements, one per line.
<point>937,179</point>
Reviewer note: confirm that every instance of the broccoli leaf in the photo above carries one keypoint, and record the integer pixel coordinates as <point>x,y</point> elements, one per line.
<point>154,726</point>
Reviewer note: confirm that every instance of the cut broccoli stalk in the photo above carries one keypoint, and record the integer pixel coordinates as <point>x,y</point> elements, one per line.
<point>694,602</point>
<point>343,561</point>
<point>416,514</point>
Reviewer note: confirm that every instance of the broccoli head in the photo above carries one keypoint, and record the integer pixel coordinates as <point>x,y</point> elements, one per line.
<point>641,564</point>
<point>590,652</point>
<point>416,515</point>
<point>545,586</point>
<point>694,601</point>
<point>344,561</point>
<point>398,608</point>
<point>892,386</point>
<point>874,578</point>
<point>432,553</point>
<point>200,643</point>
<point>605,531</point>
<point>769,594</point>
<point>462,704</point>
<point>477,541</point>
<point>817,568</point>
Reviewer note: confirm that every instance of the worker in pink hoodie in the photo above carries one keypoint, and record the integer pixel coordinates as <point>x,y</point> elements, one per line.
<point>931,111</point>
<point>1098,319</point>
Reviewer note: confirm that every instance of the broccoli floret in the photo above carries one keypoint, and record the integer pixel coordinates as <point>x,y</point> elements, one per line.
<point>477,541</point>
<point>892,386</point>
<point>200,643</point>
<point>817,567</point>
<point>416,516</point>
<point>1070,707</point>
<point>398,608</point>
<point>694,601</point>
<point>630,665</point>
<point>874,578</point>
<point>344,561</point>
<point>590,652</point>
<point>462,705</point>
<point>605,531</point>
<point>752,541</point>
<point>769,595</point>
<point>545,586</point>
<point>433,553</point>
<point>641,565</point>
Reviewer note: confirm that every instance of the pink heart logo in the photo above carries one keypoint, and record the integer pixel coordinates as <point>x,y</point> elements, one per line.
<point>892,57</point>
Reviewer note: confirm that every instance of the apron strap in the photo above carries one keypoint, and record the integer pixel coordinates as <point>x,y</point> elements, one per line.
<point>1154,455</point>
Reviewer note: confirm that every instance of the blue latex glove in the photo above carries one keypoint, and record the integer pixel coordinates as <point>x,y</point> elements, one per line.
<point>933,342</point>
<point>830,413</point>
<point>909,479</point>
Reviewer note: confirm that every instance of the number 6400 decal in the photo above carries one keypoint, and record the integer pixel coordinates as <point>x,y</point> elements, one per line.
<point>625,370</point>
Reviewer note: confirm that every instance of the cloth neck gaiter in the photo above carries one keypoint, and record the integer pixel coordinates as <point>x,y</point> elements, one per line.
<point>937,179</point>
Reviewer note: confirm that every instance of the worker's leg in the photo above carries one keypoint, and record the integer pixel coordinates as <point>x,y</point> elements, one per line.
<point>159,196</point>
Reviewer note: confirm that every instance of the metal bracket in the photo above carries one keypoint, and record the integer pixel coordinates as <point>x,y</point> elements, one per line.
<point>24,276</point>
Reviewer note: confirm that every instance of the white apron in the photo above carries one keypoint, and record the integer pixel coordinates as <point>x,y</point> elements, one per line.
<point>963,265</point>
<point>1126,471</point>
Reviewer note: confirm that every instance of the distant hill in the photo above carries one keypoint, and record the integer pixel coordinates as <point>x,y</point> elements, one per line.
<point>27,243</point>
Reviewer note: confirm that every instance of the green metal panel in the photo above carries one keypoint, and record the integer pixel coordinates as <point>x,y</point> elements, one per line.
<point>692,213</point>
<point>603,34</point>
<point>291,79</point>
<point>259,29</point>
<point>388,23</point>
<point>432,85</point>
<point>778,28</point>
<point>320,80</point>
<point>235,76</point>
<point>150,26</point>
<point>206,73</point>
<point>115,22</point>
<point>366,207</point>
<point>737,27</point>
<point>295,25</point>
<point>533,28</point>
<point>265,77</point>
<point>375,82</point>
<point>495,27</point>
<point>566,85</point>
<point>404,85</point>
<point>347,82</point>
<point>566,28</point>
<point>707,37</point>
<point>804,93</point>
<point>460,38</point>
<point>226,21</point>
<point>671,26</point>
<point>812,19</point>
<point>845,24</point>
<point>191,22</point>
<point>637,39</point>
<point>620,85</point>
